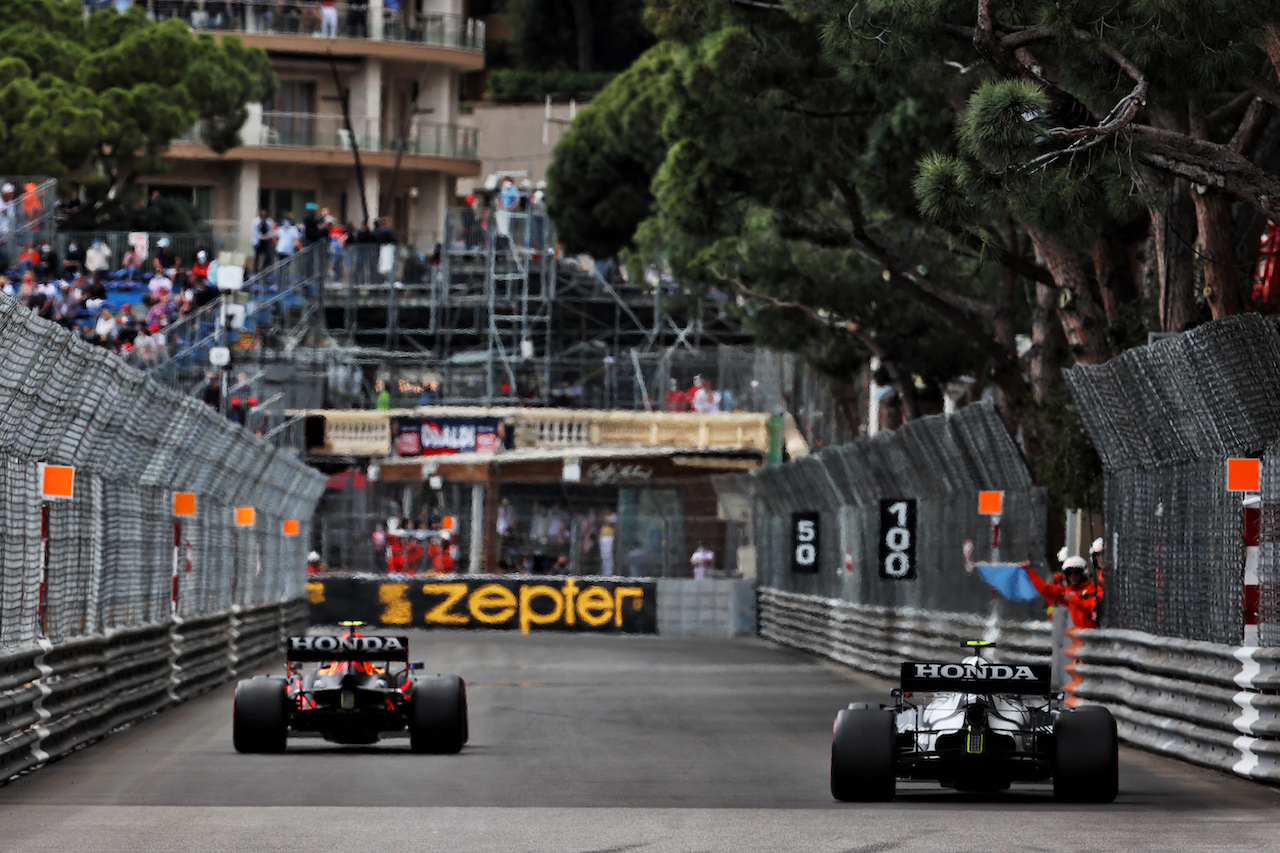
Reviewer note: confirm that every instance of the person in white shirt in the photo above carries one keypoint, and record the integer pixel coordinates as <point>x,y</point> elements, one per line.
<point>159,284</point>
<point>286,238</point>
<point>702,561</point>
<point>106,326</point>
<point>97,258</point>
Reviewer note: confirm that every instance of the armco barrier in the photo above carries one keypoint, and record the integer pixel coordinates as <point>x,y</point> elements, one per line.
<point>879,639</point>
<point>56,697</point>
<point>1207,703</point>
<point>719,607</point>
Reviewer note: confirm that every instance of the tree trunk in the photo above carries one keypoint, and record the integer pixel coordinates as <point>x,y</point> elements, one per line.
<point>586,30</point>
<point>1171,228</point>
<point>1115,286</point>
<point>1079,314</point>
<point>1218,254</point>
<point>1047,343</point>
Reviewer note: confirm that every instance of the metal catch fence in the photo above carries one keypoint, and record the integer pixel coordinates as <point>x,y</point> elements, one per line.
<point>1165,418</point>
<point>845,494</point>
<point>107,558</point>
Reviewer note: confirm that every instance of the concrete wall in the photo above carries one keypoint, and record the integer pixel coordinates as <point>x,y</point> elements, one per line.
<point>511,139</point>
<point>706,608</point>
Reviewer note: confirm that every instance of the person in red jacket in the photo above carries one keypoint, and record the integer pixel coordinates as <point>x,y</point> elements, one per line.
<point>1077,593</point>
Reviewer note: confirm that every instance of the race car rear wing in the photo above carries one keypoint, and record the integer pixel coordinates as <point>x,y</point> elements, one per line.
<point>348,649</point>
<point>932,677</point>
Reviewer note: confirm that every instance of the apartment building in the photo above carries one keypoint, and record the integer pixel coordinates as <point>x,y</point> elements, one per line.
<point>403,146</point>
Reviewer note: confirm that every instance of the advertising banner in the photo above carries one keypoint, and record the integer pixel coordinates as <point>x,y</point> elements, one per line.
<point>438,436</point>
<point>526,602</point>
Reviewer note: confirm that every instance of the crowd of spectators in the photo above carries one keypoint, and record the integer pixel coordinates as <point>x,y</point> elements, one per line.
<point>73,292</point>
<point>365,253</point>
<point>482,223</point>
<point>319,18</point>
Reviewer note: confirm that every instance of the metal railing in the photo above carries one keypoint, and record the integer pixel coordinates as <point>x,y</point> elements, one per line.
<point>27,219</point>
<point>329,132</point>
<point>307,18</point>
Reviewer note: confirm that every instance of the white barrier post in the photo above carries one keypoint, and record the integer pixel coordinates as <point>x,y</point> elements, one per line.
<point>1252,516</point>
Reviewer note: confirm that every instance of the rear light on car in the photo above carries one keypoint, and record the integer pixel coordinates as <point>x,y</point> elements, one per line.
<point>347,700</point>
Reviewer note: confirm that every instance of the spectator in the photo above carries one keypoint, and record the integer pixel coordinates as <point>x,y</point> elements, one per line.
<point>29,259</point>
<point>385,237</point>
<point>166,260</point>
<point>358,19</point>
<point>607,531</point>
<point>48,264</point>
<point>328,19</point>
<point>132,264</point>
<point>212,393</point>
<point>264,249</point>
<point>8,209</point>
<point>315,566</point>
<point>338,250</point>
<point>160,284</point>
<point>237,413</point>
<point>287,237</point>
<point>32,207</point>
<point>95,290</point>
<point>65,306</point>
<point>161,311</point>
<point>706,399</point>
<point>384,397</point>
<point>702,561</point>
<point>97,258</point>
<point>106,327</point>
<point>311,222</point>
<point>200,269</point>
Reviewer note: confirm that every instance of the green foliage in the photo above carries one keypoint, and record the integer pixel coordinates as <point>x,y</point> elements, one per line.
<point>96,101</point>
<point>509,86</point>
<point>598,185</point>
<point>546,34</point>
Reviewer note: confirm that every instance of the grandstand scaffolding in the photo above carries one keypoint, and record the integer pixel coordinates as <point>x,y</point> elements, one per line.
<point>493,319</point>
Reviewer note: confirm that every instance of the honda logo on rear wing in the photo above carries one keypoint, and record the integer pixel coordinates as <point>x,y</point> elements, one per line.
<point>931,677</point>
<point>348,648</point>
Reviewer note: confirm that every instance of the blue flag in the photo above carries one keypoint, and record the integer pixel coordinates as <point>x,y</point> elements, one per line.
<point>1008,579</point>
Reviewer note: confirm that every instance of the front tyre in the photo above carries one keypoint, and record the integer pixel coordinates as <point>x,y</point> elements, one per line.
<point>862,761</point>
<point>1087,756</point>
<point>260,715</point>
<point>438,715</point>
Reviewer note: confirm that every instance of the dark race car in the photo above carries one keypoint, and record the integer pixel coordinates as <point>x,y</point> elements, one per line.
<point>362,689</point>
<point>975,726</point>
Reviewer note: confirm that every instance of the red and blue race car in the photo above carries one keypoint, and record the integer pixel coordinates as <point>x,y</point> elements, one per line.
<point>362,689</point>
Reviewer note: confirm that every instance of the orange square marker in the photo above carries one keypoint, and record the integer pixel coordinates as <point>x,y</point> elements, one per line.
<point>1244,475</point>
<point>57,482</point>
<point>184,504</point>
<point>292,527</point>
<point>990,503</point>
<point>245,516</point>
<point>447,522</point>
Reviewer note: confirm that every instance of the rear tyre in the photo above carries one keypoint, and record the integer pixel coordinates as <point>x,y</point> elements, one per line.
<point>1087,756</point>
<point>260,715</point>
<point>438,715</point>
<point>862,761</point>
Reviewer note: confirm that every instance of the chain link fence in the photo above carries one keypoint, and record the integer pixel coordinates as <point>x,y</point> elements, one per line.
<point>1165,418</point>
<point>111,550</point>
<point>942,462</point>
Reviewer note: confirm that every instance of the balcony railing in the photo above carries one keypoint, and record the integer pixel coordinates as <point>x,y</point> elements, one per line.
<point>329,132</point>
<point>364,433</point>
<point>306,18</point>
<point>311,130</point>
